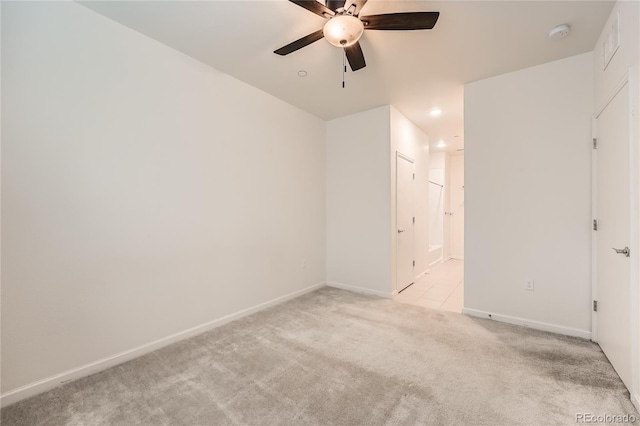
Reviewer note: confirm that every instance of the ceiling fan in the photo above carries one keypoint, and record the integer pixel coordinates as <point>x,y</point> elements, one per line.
<point>345,26</point>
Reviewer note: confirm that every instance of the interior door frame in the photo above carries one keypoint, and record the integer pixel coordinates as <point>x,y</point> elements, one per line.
<point>634,227</point>
<point>634,200</point>
<point>446,220</point>
<point>452,213</point>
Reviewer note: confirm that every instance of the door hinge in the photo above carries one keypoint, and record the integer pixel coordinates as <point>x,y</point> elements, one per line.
<point>414,263</point>
<point>414,219</point>
<point>414,176</point>
<point>595,143</point>
<point>595,306</point>
<point>595,224</point>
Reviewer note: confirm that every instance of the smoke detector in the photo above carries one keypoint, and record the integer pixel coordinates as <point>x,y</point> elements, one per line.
<point>561,31</point>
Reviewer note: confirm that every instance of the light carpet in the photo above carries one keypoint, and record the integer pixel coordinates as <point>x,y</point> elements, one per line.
<point>341,358</point>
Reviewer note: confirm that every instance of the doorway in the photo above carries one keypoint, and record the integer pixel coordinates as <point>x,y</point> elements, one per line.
<point>436,216</point>
<point>456,206</point>
<point>442,287</point>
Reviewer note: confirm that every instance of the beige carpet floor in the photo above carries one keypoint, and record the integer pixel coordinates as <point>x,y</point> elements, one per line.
<point>335,357</point>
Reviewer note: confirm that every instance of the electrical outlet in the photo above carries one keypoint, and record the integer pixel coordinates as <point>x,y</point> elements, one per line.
<point>528,285</point>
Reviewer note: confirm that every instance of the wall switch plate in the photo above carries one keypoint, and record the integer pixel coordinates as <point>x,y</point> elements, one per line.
<point>528,285</point>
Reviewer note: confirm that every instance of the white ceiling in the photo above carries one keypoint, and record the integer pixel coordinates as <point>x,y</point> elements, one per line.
<point>412,70</point>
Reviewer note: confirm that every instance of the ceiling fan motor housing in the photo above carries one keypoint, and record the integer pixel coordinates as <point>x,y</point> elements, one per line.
<point>335,4</point>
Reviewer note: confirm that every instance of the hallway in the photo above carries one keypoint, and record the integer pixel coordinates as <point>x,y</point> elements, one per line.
<point>441,288</point>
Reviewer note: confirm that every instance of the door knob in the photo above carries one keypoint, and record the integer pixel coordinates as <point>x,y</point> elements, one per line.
<point>400,230</point>
<point>624,251</point>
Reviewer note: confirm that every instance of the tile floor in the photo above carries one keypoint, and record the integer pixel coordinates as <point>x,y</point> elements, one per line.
<point>441,288</point>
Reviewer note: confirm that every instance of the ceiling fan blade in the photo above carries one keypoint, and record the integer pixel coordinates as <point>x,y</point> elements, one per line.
<point>355,56</point>
<point>401,21</point>
<point>300,43</point>
<point>315,7</point>
<point>359,4</point>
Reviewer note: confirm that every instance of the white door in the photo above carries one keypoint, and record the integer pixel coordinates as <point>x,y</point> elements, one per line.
<point>612,206</point>
<point>404,222</point>
<point>457,206</point>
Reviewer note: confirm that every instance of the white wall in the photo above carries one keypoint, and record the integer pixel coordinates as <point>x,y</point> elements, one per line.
<point>437,206</point>
<point>437,160</point>
<point>358,202</point>
<point>528,195</point>
<point>143,193</point>
<point>408,139</point>
<point>605,80</point>
<point>361,187</point>
<point>625,59</point>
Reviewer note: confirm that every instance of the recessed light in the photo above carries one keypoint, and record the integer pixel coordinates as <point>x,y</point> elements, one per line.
<point>434,112</point>
<point>441,144</point>
<point>302,73</point>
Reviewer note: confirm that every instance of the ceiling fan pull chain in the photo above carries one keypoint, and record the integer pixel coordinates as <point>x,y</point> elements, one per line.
<point>344,64</point>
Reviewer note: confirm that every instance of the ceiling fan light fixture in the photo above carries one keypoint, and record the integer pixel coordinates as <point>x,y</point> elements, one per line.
<point>343,30</point>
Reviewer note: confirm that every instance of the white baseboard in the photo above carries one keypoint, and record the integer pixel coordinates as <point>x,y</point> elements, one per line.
<point>528,323</point>
<point>426,271</point>
<point>435,262</point>
<point>359,289</point>
<point>48,383</point>
<point>635,399</point>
